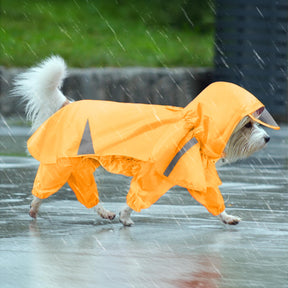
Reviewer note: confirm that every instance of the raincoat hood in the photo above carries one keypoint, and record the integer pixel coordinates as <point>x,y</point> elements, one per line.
<point>217,110</point>
<point>159,146</point>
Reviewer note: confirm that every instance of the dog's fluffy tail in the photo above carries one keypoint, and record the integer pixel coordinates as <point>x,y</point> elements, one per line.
<point>39,88</point>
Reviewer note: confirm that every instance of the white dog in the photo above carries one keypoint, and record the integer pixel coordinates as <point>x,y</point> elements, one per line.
<point>39,86</point>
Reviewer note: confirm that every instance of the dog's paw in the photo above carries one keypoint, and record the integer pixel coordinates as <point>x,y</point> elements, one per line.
<point>125,219</point>
<point>126,222</point>
<point>229,219</point>
<point>34,207</point>
<point>108,215</point>
<point>33,213</point>
<point>105,214</point>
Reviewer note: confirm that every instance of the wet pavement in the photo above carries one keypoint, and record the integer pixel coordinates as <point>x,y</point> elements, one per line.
<point>175,243</point>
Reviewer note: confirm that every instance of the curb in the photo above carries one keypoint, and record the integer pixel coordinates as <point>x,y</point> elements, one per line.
<point>169,86</point>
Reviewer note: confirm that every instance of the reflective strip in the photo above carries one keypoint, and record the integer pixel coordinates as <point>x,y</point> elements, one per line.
<point>177,157</point>
<point>86,145</point>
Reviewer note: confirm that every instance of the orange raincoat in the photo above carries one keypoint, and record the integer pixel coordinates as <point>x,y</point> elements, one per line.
<point>159,146</point>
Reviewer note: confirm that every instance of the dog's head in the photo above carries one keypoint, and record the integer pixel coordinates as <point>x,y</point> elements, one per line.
<point>247,138</point>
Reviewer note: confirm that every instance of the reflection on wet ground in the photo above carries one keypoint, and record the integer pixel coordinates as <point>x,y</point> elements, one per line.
<point>175,243</point>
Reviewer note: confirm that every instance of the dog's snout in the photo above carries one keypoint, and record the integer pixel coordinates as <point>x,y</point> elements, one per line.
<point>267,139</point>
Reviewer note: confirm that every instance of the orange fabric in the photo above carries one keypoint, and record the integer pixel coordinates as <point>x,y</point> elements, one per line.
<point>78,172</point>
<point>159,146</point>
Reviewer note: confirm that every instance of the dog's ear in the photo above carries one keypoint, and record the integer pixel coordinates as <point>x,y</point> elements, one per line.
<point>258,112</point>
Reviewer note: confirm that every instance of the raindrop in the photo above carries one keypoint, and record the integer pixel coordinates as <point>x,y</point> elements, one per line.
<point>154,42</point>
<point>65,32</point>
<point>10,132</point>
<point>31,49</point>
<point>184,46</point>
<point>111,29</point>
<point>259,11</point>
<point>187,17</point>
<point>259,59</point>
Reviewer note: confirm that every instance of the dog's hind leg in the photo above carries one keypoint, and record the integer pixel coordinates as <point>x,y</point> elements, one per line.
<point>34,207</point>
<point>124,216</point>
<point>105,214</point>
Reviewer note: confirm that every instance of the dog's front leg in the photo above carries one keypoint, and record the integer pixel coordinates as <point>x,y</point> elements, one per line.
<point>105,214</point>
<point>124,216</point>
<point>34,207</point>
<point>229,219</point>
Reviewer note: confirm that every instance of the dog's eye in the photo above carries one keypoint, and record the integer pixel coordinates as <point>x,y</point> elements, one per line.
<point>248,125</point>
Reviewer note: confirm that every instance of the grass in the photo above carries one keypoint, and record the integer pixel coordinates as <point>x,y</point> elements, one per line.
<point>104,33</point>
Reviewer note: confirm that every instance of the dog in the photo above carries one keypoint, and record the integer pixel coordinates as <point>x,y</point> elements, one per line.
<point>40,88</point>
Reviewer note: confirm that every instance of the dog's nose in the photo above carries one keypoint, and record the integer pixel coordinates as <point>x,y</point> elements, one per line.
<point>267,139</point>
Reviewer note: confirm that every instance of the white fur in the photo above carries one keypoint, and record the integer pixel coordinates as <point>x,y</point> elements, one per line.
<point>125,216</point>
<point>103,213</point>
<point>39,87</point>
<point>247,138</point>
<point>229,219</point>
<point>34,207</point>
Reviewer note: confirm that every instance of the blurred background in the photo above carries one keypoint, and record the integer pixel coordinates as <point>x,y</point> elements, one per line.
<point>113,33</point>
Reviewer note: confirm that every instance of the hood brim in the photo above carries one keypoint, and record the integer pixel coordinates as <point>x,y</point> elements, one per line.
<point>263,117</point>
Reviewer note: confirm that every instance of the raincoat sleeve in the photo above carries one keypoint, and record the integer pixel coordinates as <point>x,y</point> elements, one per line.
<point>212,198</point>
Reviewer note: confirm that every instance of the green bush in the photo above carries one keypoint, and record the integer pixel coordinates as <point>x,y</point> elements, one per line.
<point>107,33</point>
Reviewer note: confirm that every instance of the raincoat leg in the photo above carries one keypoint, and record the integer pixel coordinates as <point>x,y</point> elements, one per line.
<point>82,181</point>
<point>212,200</point>
<point>146,190</point>
<point>50,178</point>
